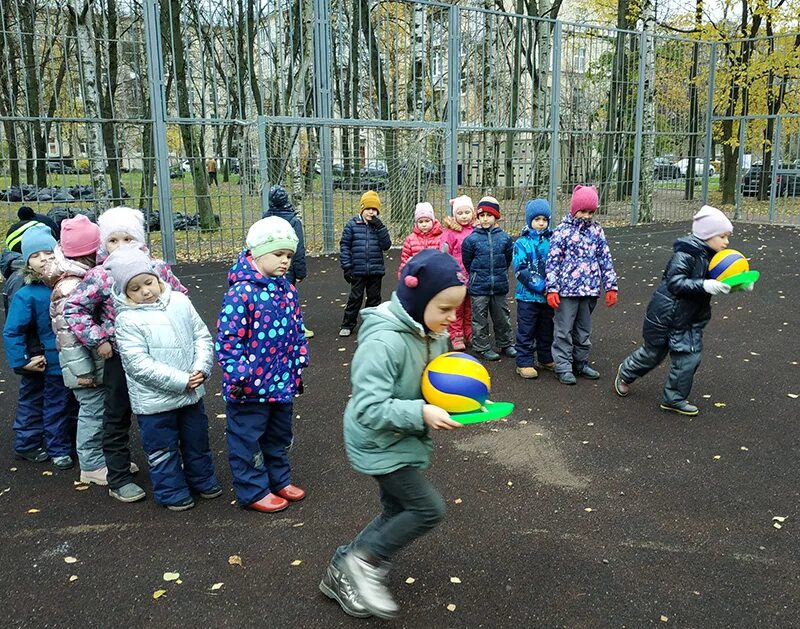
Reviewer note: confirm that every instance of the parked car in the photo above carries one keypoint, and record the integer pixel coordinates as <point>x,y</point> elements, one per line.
<point>663,168</point>
<point>58,166</point>
<point>699,167</point>
<point>787,180</point>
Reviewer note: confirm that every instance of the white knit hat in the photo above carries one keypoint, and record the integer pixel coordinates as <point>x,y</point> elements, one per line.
<point>121,219</point>
<point>271,234</point>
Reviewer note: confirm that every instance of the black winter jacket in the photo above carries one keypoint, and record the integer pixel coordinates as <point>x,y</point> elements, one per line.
<point>680,308</point>
<point>362,245</point>
<point>297,270</point>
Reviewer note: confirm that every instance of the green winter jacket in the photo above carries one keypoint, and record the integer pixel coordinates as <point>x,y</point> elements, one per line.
<point>383,427</point>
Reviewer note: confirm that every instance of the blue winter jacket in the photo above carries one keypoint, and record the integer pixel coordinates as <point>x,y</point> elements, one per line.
<point>30,311</point>
<point>487,254</point>
<point>297,270</point>
<point>530,258</point>
<point>261,346</point>
<point>362,245</point>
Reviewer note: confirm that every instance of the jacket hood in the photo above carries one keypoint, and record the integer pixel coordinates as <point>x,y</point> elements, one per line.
<point>388,316</point>
<point>10,261</point>
<point>435,230</point>
<point>122,303</point>
<point>693,246</point>
<point>62,266</point>
<point>244,270</point>
<point>579,223</point>
<point>282,211</point>
<point>29,276</point>
<point>535,234</point>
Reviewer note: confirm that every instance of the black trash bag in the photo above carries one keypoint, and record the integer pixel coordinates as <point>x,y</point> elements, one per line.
<point>30,192</point>
<point>90,214</point>
<point>58,214</point>
<point>13,195</point>
<point>152,220</point>
<point>62,196</point>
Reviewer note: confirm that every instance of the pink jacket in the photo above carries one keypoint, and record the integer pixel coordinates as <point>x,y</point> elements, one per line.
<point>417,241</point>
<point>454,237</point>
<point>89,310</point>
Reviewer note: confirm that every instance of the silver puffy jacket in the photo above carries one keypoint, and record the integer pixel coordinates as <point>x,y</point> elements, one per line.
<point>63,275</point>
<point>161,344</point>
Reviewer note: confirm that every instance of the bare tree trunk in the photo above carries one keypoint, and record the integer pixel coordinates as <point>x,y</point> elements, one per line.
<point>508,179</point>
<point>81,12</point>
<point>189,134</point>
<point>107,91</point>
<point>33,96</point>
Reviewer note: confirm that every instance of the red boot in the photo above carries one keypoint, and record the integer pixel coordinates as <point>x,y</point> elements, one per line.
<point>292,493</point>
<point>269,504</point>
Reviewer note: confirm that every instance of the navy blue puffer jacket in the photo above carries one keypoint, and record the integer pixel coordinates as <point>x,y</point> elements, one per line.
<point>362,245</point>
<point>487,254</point>
<point>680,308</point>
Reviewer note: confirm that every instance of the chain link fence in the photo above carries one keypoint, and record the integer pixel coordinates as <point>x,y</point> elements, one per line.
<point>191,110</point>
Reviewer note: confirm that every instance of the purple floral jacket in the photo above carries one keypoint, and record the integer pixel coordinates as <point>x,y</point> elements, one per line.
<point>90,312</point>
<point>579,263</point>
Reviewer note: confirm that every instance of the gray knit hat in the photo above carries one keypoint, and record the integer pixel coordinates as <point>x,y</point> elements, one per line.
<point>125,264</point>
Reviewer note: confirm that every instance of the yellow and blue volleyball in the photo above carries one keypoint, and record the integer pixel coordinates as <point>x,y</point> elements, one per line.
<point>456,382</point>
<point>727,263</point>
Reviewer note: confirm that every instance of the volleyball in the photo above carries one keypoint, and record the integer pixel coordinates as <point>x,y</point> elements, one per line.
<point>727,263</point>
<point>456,382</point>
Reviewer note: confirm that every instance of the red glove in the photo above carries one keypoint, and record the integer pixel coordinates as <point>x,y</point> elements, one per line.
<point>553,300</point>
<point>611,298</point>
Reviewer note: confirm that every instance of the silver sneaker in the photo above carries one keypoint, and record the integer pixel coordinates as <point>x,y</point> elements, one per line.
<point>369,582</point>
<point>336,586</point>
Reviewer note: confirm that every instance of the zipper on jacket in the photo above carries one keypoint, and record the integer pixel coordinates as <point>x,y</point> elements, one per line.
<point>366,241</point>
<point>491,261</point>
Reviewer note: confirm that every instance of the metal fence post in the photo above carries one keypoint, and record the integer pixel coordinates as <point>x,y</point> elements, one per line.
<point>776,162</point>
<point>637,144</point>
<point>737,214</point>
<point>262,164</point>
<point>322,101</point>
<point>453,101</point>
<point>158,107</point>
<point>555,117</point>
<point>712,77</point>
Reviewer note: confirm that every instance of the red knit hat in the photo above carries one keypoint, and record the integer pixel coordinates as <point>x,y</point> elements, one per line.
<point>489,205</point>
<point>79,237</point>
<point>584,198</point>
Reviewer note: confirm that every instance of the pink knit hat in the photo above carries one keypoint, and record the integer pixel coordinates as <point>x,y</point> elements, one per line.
<point>79,237</point>
<point>584,198</point>
<point>424,210</point>
<point>462,201</point>
<point>710,222</point>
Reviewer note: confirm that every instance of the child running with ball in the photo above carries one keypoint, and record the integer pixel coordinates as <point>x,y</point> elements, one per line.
<point>679,311</point>
<point>387,424</point>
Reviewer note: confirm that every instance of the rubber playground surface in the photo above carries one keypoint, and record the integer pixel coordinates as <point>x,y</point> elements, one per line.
<point>583,509</point>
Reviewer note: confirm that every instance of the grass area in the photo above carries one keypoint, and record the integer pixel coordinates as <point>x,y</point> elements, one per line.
<point>238,209</point>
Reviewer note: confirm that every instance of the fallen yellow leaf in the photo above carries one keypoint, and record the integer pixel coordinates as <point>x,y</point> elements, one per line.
<point>717,457</point>
<point>74,577</point>
<point>216,586</point>
<point>47,473</point>
<point>720,404</point>
<point>70,560</point>
<point>777,525</point>
<point>81,487</point>
<point>510,484</point>
<point>221,416</point>
<point>794,396</point>
<point>451,607</point>
<point>458,501</point>
<point>159,593</point>
<point>33,510</point>
<point>296,562</point>
<point>171,576</point>
<point>588,509</point>
<point>455,580</point>
<point>664,618</point>
<point>410,580</point>
<point>779,518</point>
<point>235,560</point>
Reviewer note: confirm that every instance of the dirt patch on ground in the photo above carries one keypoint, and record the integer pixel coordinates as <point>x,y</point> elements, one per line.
<point>526,449</point>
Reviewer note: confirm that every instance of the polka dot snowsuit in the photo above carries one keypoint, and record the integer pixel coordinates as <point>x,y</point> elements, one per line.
<point>262,351</point>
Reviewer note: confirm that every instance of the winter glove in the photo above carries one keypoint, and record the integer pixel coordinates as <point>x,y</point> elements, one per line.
<point>553,300</point>
<point>348,276</point>
<point>376,223</point>
<point>611,298</point>
<point>713,287</point>
<point>445,248</point>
